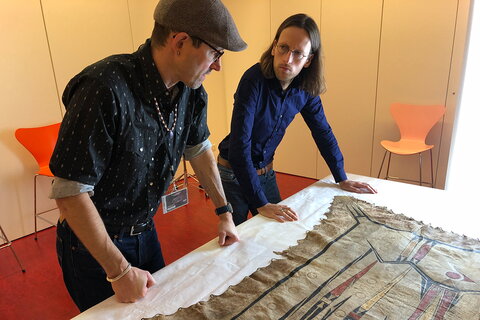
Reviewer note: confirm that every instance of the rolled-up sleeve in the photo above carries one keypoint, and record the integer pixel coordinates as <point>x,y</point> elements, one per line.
<point>62,188</point>
<point>196,150</point>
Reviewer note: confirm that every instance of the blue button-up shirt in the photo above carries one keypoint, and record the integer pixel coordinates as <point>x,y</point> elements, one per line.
<point>261,114</point>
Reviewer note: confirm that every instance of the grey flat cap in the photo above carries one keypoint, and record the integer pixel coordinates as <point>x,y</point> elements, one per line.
<point>205,19</point>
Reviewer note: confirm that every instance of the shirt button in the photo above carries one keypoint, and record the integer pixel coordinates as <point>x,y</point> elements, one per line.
<point>153,159</point>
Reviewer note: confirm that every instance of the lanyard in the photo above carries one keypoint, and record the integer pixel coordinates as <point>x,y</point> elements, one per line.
<point>170,134</point>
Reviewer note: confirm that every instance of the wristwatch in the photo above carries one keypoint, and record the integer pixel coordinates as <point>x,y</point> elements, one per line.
<point>227,208</point>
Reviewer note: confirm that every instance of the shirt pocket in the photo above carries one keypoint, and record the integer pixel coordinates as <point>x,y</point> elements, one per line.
<point>135,147</point>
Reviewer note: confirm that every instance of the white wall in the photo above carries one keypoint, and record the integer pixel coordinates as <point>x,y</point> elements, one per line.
<point>463,174</point>
<point>29,98</point>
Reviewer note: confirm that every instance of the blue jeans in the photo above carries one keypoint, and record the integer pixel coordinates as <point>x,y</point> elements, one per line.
<point>235,196</point>
<point>84,277</point>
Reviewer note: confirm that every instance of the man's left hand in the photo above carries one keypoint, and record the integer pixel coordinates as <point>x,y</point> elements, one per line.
<point>227,233</point>
<point>356,186</point>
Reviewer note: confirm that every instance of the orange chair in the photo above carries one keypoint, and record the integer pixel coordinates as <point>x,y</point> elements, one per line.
<point>414,122</point>
<point>40,141</point>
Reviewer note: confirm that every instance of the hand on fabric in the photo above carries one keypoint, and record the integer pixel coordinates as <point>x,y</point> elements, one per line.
<point>227,233</point>
<point>133,286</point>
<point>356,186</point>
<point>278,212</point>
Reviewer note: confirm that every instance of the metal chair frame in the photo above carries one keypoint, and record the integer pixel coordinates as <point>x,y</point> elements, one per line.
<point>8,243</point>
<point>388,177</point>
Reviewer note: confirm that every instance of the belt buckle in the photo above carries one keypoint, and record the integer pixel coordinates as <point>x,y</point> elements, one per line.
<point>132,233</point>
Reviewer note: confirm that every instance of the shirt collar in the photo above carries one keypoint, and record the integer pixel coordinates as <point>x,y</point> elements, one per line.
<point>275,85</point>
<point>153,82</point>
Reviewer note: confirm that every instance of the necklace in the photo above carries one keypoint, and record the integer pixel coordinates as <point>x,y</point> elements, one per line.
<point>169,130</point>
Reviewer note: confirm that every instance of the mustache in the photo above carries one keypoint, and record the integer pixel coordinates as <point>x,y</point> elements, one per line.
<point>285,66</point>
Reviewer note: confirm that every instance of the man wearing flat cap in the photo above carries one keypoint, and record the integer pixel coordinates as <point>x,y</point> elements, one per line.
<point>129,120</point>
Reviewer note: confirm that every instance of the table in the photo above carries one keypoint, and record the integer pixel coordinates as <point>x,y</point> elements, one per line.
<point>211,269</point>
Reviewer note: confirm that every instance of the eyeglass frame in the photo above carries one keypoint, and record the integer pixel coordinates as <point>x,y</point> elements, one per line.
<point>218,53</point>
<point>295,53</point>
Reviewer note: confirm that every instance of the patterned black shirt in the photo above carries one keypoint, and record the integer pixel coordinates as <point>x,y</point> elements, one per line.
<point>112,138</point>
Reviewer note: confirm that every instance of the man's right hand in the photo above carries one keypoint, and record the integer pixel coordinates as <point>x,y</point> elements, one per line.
<point>227,233</point>
<point>133,286</point>
<point>278,212</point>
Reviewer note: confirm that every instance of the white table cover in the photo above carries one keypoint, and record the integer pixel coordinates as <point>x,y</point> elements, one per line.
<point>211,269</point>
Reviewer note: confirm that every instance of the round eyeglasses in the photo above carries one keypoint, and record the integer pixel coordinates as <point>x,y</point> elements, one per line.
<point>297,55</point>
<point>217,53</point>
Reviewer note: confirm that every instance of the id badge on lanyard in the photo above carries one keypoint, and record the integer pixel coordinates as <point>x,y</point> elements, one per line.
<point>175,199</point>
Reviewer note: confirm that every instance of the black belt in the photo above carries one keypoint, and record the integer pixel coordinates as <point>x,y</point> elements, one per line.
<point>134,230</point>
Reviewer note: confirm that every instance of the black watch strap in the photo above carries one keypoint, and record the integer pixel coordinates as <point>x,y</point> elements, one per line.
<point>227,208</point>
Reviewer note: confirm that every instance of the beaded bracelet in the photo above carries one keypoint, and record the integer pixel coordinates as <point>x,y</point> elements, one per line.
<point>124,272</point>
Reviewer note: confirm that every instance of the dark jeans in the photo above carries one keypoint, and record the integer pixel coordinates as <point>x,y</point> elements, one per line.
<point>83,276</point>
<point>235,196</point>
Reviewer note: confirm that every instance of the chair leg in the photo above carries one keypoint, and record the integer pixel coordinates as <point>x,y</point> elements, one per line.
<point>381,166</point>
<point>35,204</point>
<point>8,243</point>
<point>388,166</point>
<point>431,165</point>
<point>420,158</point>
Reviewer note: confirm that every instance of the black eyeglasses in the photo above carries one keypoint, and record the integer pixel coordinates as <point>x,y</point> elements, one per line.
<point>217,54</point>
<point>283,49</point>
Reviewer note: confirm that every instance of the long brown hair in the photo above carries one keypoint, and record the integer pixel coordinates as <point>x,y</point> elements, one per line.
<point>311,78</point>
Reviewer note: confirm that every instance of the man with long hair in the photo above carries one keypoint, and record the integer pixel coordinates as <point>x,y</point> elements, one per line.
<point>288,80</point>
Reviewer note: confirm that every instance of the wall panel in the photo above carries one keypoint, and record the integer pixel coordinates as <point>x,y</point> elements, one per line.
<point>452,96</point>
<point>350,33</point>
<point>83,32</point>
<point>414,67</point>
<point>29,99</point>
<point>141,20</point>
